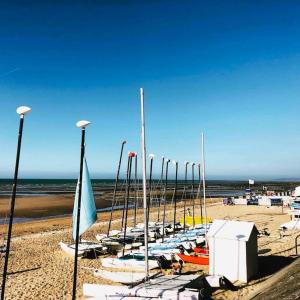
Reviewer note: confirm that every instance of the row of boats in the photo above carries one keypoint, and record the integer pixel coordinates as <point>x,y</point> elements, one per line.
<point>167,242</point>
<point>136,256</point>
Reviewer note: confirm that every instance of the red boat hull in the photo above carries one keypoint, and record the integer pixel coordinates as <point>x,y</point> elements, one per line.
<point>199,260</point>
<point>201,250</point>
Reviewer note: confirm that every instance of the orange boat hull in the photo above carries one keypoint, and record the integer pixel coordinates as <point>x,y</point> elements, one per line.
<point>199,260</point>
<point>201,250</point>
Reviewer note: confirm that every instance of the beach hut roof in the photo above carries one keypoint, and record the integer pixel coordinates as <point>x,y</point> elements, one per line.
<point>232,230</point>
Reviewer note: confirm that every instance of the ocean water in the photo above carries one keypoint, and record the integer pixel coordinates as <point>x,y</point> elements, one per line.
<point>214,188</point>
<point>103,191</point>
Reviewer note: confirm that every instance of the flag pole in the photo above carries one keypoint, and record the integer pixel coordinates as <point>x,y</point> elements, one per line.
<point>115,188</point>
<point>143,145</point>
<point>82,125</point>
<point>22,110</point>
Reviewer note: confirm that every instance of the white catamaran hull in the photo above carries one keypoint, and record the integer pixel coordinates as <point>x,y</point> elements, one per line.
<point>167,287</point>
<point>82,248</point>
<point>292,225</point>
<point>133,264</point>
<point>121,277</point>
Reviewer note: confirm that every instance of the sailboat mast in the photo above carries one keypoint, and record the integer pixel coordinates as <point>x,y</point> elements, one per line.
<point>165,200</point>
<point>199,192</point>
<point>136,188</point>
<point>204,187</point>
<point>82,125</point>
<point>193,198</point>
<point>184,195</point>
<point>115,188</point>
<point>130,156</point>
<point>150,186</point>
<point>161,187</point>
<point>143,145</point>
<point>175,194</point>
<point>21,111</point>
<point>124,205</point>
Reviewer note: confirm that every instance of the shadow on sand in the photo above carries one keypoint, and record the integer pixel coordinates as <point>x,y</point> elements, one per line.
<point>271,264</point>
<point>23,271</point>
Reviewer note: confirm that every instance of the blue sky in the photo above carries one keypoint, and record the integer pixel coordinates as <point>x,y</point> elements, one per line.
<point>228,68</point>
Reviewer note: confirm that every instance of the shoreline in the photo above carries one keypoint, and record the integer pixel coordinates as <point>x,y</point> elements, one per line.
<point>49,207</point>
<point>36,225</point>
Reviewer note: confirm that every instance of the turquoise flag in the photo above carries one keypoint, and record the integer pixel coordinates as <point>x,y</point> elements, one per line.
<point>88,215</point>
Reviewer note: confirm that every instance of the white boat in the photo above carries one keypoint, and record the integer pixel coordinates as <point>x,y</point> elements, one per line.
<point>83,247</point>
<point>167,254</point>
<point>292,225</point>
<point>184,295</point>
<point>131,261</point>
<point>112,233</point>
<point>121,277</point>
<point>162,287</point>
<point>108,297</point>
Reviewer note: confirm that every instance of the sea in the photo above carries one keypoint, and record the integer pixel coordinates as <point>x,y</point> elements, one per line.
<point>214,188</point>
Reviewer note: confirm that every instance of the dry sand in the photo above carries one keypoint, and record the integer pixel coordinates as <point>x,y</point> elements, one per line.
<point>40,270</point>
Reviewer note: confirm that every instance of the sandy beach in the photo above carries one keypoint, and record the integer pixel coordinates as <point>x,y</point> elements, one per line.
<point>40,270</point>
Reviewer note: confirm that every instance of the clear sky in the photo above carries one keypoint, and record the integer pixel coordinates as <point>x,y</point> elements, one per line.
<point>228,68</point>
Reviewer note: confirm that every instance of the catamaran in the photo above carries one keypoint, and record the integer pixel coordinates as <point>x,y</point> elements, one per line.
<point>129,278</point>
<point>134,261</point>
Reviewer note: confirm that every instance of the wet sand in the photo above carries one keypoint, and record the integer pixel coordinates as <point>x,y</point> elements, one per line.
<point>45,206</point>
<point>40,270</point>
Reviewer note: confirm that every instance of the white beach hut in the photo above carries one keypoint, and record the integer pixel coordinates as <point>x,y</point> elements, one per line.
<point>233,249</point>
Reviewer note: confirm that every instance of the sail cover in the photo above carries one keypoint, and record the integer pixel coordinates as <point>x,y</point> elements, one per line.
<point>88,215</point>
